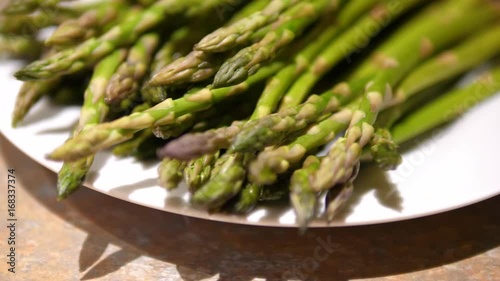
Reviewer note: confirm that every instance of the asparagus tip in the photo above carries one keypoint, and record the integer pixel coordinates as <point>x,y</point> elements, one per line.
<point>24,75</point>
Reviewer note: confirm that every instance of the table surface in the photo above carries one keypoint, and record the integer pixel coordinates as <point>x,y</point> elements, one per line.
<point>92,236</point>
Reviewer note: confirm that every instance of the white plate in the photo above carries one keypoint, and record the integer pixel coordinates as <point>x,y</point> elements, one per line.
<point>455,167</point>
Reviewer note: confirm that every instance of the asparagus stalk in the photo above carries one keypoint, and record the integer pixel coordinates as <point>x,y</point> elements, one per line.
<point>273,129</point>
<point>419,85</point>
<point>126,31</point>
<point>247,10</point>
<point>170,173</point>
<point>29,94</point>
<point>125,82</point>
<point>131,147</point>
<point>193,145</point>
<point>380,16</point>
<point>174,48</point>
<point>199,170</point>
<point>108,134</point>
<point>384,150</point>
<point>248,198</point>
<point>88,25</point>
<point>273,162</point>
<point>451,63</point>
<point>285,77</point>
<point>28,6</point>
<point>226,182</point>
<point>31,24</point>
<point>447,107</point>
<point>240,32</point>
<point>93,112</point>
<point>339,194</point>
<point>215,117</point>
<point>19,47</point>
<point>404,51</point>
<point>426,118</point>
<point>197,65</point>
<point>302,197</point>
<point>248,60</point>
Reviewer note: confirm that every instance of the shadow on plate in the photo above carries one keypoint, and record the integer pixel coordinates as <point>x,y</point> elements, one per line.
<point>203,248</point>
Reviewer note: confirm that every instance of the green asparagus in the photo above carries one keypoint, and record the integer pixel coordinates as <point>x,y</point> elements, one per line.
<point>379,17</point>
<point>447,107</point>
<point>404,50</point>
<point>105,135</point>
<point>273,129</point>
<point>248,60</point>
<point>170,173</point>
<point>384,150</point>
<point>125,82</point>
<point>302,197</point>
<point>94,110</point>
<point>28,6</point>
<point>240,32</point>
<point>29,94</point>
<point>125,32</point>
<point>88,25</point>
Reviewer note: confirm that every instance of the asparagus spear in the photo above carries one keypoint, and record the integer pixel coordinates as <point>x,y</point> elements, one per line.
<point>384,150</point>
<point>28,6</point>
<point>249,59</point>
<point>199,170</point>
<point>31,24</point>
<point>453,62</point>
<point>214,117</point>
<point>339,194</point>
<point>447,107</point>
<point>248,198</point>
<point>177,45</point>
<point>190,146</point>
<point>131,147</point>
<point>125,82</point>
<point>126,31</point>
<point>170,173</point>
<point>20,47</point>
<point>273,162</point>
<point>240,32</point>
<point>424,119</point>
<point>29,94</point>
<point>247,10</point>
<point>182,124</point>
<point>93,112</point>
<point>194,145</point>
<point>303,198</point>
<point>105,135</point>
<point>285,77</point>
<point>225,184</point>
<point>273,129</point>
<point>88,25</point>
<point>419,85</point>
<point>405,52</point>
<point>197,65</point>
<point>380,16</point>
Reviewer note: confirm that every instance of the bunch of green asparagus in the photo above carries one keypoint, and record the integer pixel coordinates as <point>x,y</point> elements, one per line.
<point>238,98</point>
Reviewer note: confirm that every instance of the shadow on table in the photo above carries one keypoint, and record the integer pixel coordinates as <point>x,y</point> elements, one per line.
<point>201,248</point>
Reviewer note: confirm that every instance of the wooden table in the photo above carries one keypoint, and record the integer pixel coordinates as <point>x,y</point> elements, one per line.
<point>92,236</point>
